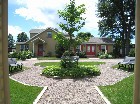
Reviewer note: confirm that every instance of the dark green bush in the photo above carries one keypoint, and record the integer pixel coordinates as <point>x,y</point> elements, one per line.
<point>81,54</point>
<point>132,53</point>
<point>59,50</point>
<point>13,55</point>
<point>79,72</point>
<point>67,62</point>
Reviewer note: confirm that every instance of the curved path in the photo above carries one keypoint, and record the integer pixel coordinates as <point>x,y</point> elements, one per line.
<point>71,91</point>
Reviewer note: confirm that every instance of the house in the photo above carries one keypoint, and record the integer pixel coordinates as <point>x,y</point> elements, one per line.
<point>41,43</point>
<point>96,45</point>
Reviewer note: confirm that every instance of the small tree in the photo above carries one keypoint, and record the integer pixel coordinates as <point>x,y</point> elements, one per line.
<point>22,37</point>
<point>73,20</point>
<point>10,41</point>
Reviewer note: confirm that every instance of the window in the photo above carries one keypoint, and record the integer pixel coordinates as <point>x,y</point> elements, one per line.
<point>21,47</point>
<point>88,48</point>
<point>49,34</point>
<point>26,47</point>
<point>93,48</point>
<point>103,48</point>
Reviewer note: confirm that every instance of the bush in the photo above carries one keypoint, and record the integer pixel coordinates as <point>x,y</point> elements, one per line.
<point>67,53</point>
<point>81,54</point>
<point>79,72</point>
<point>67,62</point>
<point>59,50</point>
<point>132,53</point>
<point>13,55</point>
<point>105,56</point>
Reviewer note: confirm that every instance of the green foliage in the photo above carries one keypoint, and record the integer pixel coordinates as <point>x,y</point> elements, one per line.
<point>105,56</point>
<point>10,41</point>
<point>23,94</point>
<point>73,20</point>
<point>59,50</point>
<point>132,53</point>
<point>117,18</point>
<point>79,72</point>
<point>81,54</point>
<point>22,37</point>
<point>23,55</point>
<point>121,92</point>
<point>67,62</point>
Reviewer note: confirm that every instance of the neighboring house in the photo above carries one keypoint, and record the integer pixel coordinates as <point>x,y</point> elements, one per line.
<point>41,43</point>
<point>96,45</point>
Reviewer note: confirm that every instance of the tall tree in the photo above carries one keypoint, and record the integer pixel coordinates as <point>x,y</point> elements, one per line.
<point>22,37</point>
<point>117,19</point>
<point>73,20</point>
<point>10,41</point>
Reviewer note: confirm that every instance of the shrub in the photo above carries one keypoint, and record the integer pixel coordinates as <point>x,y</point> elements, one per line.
<point>81,54</point>
<point>79,72</point>
<point>13,55</point>
<point>67,53</point>
<point>105,56</point>
<point>132,53</point>
<point>59,50</point>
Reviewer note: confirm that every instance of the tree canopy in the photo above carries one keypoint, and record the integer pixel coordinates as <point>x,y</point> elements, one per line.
<point>22,37</point>
<point>73,20</point>
<point>117,18</point>
<point>10,41</point>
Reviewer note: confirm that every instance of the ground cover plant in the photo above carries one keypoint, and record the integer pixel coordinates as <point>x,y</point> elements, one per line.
<point>122,68</point>
<point>23,94</point>
<point>84,69</point>
<point>121,92</point>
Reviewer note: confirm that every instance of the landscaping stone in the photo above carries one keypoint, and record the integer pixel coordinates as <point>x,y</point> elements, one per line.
<point>71,91</point>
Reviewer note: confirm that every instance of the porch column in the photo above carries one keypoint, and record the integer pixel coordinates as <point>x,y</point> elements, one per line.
<point>33,49</point>
<point>4,73</point>
<point>136,97</point>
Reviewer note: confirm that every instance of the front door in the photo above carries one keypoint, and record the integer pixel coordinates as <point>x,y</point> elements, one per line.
<point>90,49</point>
<point>40,49</point>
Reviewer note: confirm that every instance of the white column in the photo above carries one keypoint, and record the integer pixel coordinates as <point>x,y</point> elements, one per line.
<point>137,49</point>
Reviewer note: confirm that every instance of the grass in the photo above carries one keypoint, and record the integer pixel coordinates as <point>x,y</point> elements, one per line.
<point>44,64</point>
<point>23,94</point>
<point>121,92</point>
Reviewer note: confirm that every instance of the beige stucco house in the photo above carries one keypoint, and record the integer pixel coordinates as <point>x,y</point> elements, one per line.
<point>41,43</point>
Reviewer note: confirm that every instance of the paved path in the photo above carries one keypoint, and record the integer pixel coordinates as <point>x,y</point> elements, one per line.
<point>71,91</point>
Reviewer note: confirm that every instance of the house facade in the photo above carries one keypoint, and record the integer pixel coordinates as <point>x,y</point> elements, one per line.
<point>42,43</point>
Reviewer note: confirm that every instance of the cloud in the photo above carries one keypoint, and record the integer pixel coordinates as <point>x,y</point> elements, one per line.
<point>45,11</point>
<point>14,30</point>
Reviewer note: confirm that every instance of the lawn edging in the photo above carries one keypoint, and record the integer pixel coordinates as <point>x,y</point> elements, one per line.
<point>40,95</point>
<point>102,95</point>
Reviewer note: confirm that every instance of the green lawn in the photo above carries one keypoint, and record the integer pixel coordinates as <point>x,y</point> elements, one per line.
<point>44,64</point>
<point>23,94</point>
<point>121,92</point>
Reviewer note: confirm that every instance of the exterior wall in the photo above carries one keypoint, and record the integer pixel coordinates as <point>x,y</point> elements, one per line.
<point>48,46</point>
<point>110,49</point>
<point>32,34</point>
<point>17,47</point>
